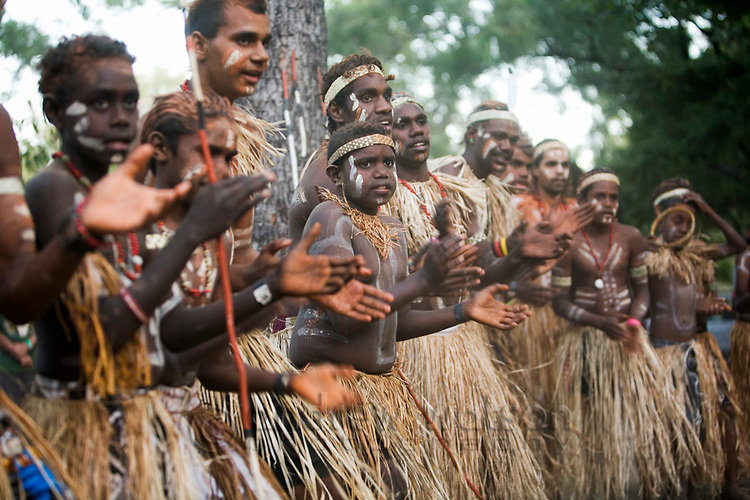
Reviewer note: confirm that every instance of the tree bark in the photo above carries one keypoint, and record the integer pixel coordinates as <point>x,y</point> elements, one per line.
<point>298,25</point>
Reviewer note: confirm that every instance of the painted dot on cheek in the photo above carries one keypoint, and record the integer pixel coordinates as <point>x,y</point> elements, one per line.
<point>76,108</point>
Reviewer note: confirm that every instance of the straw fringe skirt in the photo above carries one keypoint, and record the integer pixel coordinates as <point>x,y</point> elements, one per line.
<point>619,426</point>
<point>476,411</point>
<point>131,449</point>
<point>311,434</point>
<point>740,356</point>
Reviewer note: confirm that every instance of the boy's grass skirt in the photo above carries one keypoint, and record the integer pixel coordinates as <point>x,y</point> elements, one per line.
<point>15,423</point>
<point>225,455</point>
<point>740,361</point>
<point>703,402</point>
<point>620,428</point>
<point>295,438</point>
<point>129,448</point>
<point>476,411</point>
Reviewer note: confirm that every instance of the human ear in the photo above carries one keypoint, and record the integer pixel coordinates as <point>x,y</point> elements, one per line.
<point>51,109</point>
<point>471,135</point>
<point>334,173</point>
<point>200,45</point>
<point>161,149</point>
<point>335,112</point>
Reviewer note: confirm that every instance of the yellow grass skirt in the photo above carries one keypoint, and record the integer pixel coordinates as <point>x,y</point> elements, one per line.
<point>619,427</point>
<point>740,357</point>
<point>476,411</point>
<point>312,433</point>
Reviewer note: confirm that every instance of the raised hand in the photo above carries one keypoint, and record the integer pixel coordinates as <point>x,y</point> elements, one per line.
<point>485,308</point>
<point>357,300</point>
<point>570,221</point>
<point>266,261</point>
<point>696,199</point>
<point>319,385</point>
<point>302,274</point>
<point>437,260</point>
<point>710,306</point>
<point>119,203</point>
<point>540,242</point>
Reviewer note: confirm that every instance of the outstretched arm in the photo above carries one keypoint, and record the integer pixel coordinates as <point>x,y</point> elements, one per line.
<point>734,244</point>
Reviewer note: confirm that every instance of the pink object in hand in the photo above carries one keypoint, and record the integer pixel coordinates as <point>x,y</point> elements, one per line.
<point>632,322</point>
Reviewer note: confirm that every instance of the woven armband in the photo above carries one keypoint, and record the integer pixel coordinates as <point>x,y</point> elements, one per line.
<point>561,281</point>
<point>638,272</point>
<point>476,238</point>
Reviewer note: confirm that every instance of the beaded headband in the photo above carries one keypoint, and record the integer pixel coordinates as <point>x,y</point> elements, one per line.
<point>348,77</point>
<point>404,99</point>
<point>359,143</point>
<point>602,177</point>
<point>673,193</point>
<point>491,114</point>
<point>546,146</point>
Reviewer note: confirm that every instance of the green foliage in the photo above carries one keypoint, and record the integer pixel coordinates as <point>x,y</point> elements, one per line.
<point>36,150</point>
<point>22,41</point>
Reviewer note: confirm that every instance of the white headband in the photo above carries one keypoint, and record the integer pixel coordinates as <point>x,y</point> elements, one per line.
<point>348,77</point>
<point>546,146</point>
<point>602,177</point>
<point>674,193</point>
<point>404,99</point>
<point>359,143</point>
<point>491,114</point>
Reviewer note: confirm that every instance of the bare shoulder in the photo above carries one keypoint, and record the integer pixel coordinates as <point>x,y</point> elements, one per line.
<point>50,195</point>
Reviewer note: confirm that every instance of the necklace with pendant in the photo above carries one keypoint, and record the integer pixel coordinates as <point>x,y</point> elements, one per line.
<point>599,282</point>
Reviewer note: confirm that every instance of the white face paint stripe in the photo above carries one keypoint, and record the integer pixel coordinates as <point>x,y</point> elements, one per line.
<point>91,142</point>
<point>363,115</point>
<point>81,126</point>
<point>28,235</point>
<point>232,59</point>
<point>76,108</point>
<point>358,183</point>
<point>355,101</point>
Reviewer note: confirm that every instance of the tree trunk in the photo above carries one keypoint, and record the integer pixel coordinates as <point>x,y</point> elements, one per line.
<point>297,25</point>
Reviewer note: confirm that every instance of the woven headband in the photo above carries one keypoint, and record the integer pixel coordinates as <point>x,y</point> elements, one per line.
<point>404,99</point>
<point>348,77</point>
<point>491,114</point>
<point>359,143</point>
<point>673,193</point>
<point>546,146</point>
<point>602,177</point>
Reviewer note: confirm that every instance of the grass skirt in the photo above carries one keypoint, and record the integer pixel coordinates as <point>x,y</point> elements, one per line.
<point>311,434</point>
<point>740,356</point>
<point>475,410</point>
<point>128,449</point>
<point>619,426</point>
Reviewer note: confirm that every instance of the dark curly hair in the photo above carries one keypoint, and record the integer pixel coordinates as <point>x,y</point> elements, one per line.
<point>341,68</point>
<point>207,16</point>
<point>61,63</point>
<point>352,131</point>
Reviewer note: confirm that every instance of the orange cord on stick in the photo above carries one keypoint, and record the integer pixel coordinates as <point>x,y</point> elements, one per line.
<point>470,484</point>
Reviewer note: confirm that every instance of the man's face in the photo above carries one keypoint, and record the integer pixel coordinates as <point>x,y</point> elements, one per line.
<point>677,224</point>
<point>517,173</point>
<point>553,171</point>
<point>236,58</point>
<point>493,141</point>
<point>369,100</point>
<point>99,119</point>
<point>369,177</point>
<point>605,195</point>
<point>411,133</point>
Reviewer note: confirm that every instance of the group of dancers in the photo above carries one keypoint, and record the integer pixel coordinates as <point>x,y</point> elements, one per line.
<point>472,326</point>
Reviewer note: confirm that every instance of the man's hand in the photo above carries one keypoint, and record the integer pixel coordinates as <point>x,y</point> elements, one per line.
<point>118,203</point>
<point>357,300</point>
<point>571,221</point>
<point>484,308</point>
<point>438,261</point>
<point>319,386</point>
<point>532,292</point>
<point>302,274</point>
<point>614,327</point>
<point>540,242</point>
<point>696,200</point>
<point>711,306</point>
<point>266,262</point>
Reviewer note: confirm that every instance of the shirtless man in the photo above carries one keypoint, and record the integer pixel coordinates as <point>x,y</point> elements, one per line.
<point>516,173</point>
<point>677,273</point>
<point>599,371</point>
<point>740,338</point>
<point>355,89</point>
<point>363,167</point>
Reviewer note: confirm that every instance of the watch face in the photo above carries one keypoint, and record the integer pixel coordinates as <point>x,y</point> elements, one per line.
<point>263,294</point>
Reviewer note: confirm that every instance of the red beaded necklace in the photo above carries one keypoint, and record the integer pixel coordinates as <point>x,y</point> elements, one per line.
<point>85,182</point>
<point>421,204</point>
<point>598,282</point>
<point>203,286</point>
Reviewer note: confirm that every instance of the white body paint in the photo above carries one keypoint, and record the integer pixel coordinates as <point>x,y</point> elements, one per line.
<point>117,158</point>
<point>22,209</point>
<point>358,183</point>
<point>232,59</point>
<point>355,101</point>
<point>28,235</point>
<point>76,108</point>
<point>81,126</point>
<point>363,115</point>
<point>93,143</point>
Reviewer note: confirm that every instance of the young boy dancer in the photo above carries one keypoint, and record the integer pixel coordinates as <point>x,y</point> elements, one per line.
<point>362,166</point>
<point>620,426</point>
<point>679,272</point>
<point>93,353</point>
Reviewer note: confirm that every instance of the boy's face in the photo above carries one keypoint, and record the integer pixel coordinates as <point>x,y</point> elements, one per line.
<point>236,58</point>
<point>493,140</point>
<point>368,177</point>
<point>187,161</point>
<point>677,224</point>
<point>553,171</point>
<point>517,172</point>
<point>99,120</point>
<point>411,133</point>
<point>606,196</point>
<point>368,101</point>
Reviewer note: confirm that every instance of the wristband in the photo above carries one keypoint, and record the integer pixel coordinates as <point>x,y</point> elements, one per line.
<point>458,313</point>
<point>500,247</point>
<point>262,293</point>
<point>133,305</point>
<point>282,384</point>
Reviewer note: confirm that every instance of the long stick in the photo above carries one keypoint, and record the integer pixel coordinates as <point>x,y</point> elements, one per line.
<point>290,131</point>
<point>298,109</point>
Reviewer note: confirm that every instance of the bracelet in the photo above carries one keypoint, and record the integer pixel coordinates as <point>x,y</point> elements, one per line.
<point>500,247</point>
<point>282,384</point>
<point>262,293</point>
<point>88,238</point>
<point>133,305</point>
<point>458,313</point>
